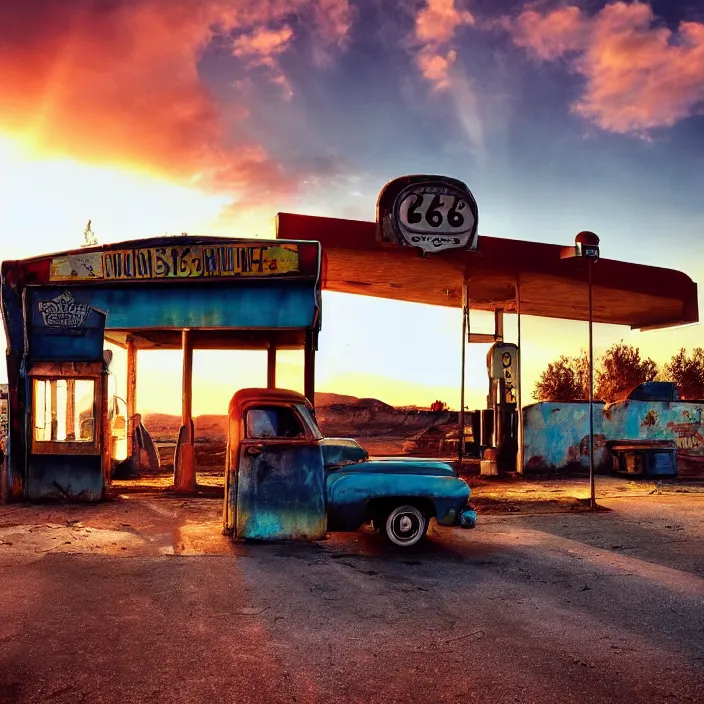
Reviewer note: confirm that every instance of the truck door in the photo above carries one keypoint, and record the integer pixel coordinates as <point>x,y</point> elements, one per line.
<point>280,477</point>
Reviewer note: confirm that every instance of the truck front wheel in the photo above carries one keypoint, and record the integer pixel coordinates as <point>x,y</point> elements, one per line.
<point>406,525</point>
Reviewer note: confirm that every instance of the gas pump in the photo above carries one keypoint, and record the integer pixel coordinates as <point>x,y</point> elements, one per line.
<point>502,368</point>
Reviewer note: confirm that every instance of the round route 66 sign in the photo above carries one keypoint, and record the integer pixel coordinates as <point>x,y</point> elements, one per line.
<point>431,213</point>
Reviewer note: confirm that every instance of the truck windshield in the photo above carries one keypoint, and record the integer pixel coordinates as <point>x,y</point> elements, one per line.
<point>309,420</point>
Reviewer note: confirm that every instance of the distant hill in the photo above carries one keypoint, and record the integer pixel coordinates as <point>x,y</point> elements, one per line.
<point>329,399</point>
<point>337,414</point>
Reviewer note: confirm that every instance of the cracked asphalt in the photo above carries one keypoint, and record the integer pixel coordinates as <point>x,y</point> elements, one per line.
<point>143,600</point>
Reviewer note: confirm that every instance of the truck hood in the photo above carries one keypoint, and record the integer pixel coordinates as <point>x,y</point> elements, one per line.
<point>349,456</point>
<point>401,465</point>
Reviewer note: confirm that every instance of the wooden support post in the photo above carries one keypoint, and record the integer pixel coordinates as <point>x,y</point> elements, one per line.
<point>271,366</point>
<point>53,390</point>
<point>187,378</point>
<point>131,390</point>
<point>70,409</point>
<point>103,431</point>
<point>309,368</point>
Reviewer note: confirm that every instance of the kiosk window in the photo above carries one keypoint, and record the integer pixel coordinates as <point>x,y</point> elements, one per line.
<point>64,410</point>
<point>274,422</point>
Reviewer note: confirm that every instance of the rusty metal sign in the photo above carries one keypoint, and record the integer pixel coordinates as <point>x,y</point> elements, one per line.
<point>430,213</point>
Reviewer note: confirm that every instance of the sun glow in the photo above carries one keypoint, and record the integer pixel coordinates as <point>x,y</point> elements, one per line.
<point>46,201</point>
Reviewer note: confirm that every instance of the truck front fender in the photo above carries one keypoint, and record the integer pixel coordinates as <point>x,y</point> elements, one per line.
<point>350,496</point>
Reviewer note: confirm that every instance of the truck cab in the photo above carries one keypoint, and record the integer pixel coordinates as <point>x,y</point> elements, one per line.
<point>284,480</point>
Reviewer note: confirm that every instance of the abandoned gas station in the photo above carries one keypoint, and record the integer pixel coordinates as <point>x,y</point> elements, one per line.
<point>189,292</point>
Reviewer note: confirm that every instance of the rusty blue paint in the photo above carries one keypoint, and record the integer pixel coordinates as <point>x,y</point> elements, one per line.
<point>67,477</point>
<point>193,305</point>
<point>468,518</point>
<point>280,491</point>
<point>404,466</point>
<point>12,311</point>
<point>352,491</point>
<point>79,343</point>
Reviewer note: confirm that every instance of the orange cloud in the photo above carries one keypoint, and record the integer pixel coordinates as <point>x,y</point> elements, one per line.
<point>435,28</point>
<point>263,42</point>
<point>118,82</point>
<point>261,47</point>
<point>549,36</point>
<point>333,20</point>
<point>330,20</point>
<point>639,75</point>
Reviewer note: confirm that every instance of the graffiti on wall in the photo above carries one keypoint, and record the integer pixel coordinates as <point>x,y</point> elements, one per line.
<point>64,311</point>
<point>177,262</point>
<point>555,433</point>
<point>689,433</point>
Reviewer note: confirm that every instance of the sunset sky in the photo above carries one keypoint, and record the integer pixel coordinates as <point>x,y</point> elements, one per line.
<point>209,116</point>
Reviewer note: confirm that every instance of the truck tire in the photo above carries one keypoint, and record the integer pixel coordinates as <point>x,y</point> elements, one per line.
<point>406,525</point>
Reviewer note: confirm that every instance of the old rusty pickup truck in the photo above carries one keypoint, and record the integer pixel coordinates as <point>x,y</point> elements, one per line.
<point>284,480</point>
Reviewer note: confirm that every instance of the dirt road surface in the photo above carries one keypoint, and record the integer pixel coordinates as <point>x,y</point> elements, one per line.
<point>143,600</point>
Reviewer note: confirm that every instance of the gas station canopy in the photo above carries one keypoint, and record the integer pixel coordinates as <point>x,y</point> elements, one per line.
<point>354,261</point>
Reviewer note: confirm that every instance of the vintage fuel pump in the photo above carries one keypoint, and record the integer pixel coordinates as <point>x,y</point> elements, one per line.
<point>502,367</point>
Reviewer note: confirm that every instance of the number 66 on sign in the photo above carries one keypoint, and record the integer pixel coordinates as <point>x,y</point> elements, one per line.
<point>432,213</point>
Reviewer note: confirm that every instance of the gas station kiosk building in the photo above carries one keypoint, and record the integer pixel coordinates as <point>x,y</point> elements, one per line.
<point>166,293</point>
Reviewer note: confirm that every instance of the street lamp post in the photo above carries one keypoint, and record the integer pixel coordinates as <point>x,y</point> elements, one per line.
<point>460,435</point>
<point>592,497</point>
<point>586,246</point>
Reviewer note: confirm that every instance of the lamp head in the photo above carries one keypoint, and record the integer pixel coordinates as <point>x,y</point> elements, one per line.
<point>586,244</point>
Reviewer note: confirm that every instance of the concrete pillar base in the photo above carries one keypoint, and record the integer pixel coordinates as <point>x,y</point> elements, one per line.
<point>185,460</point>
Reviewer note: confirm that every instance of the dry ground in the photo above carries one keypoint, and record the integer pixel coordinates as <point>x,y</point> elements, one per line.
<point>143,600</point>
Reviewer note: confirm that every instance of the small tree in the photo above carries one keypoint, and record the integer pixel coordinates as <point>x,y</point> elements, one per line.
<point>687,373</point>
<point>565,379</point>
<point>621,369</point>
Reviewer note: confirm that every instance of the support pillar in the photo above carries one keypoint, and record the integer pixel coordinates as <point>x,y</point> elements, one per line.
<point>465,335</point>
<point>592,494</point>
<point>54,396</point>
<point>71,409</point>
<point>499,325</point>
<point>271,366</point>
<point>187,378</point>
<point>309,367</point>
<point>131,391</point>
<point>519,404</point>
<point>184,458</point>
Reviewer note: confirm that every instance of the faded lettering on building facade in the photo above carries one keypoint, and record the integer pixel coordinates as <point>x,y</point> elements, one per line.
<point>177,262</point>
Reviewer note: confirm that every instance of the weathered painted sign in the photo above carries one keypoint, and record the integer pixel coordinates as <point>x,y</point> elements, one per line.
<point>431,213</point>
<point>177,262</point>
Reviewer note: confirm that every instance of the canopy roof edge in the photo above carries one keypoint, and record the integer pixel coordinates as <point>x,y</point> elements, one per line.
<point>636,295</point>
